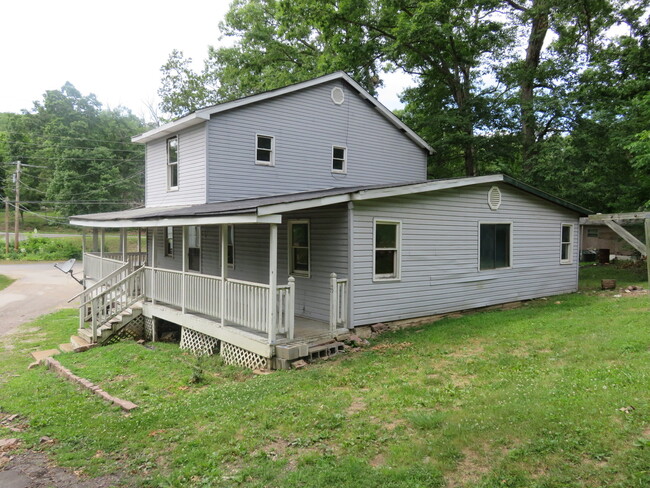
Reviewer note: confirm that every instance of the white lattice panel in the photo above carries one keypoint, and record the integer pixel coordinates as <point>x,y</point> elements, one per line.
<point>197,343</point>
<point>241,357</point>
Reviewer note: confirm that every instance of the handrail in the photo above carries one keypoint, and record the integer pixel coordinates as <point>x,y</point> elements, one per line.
<point>100,282</point>
<point>111,288</point>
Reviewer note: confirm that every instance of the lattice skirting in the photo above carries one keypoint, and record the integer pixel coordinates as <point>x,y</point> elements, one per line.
<point>241,357</point>
<point>197,343</point>
<point>148,328</point>
<point>134,330</point>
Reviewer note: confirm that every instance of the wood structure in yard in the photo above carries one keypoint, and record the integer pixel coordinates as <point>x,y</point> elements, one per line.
<point>276,223</point>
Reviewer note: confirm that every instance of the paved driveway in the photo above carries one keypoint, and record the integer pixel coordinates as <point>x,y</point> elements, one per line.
<point>39,288</point>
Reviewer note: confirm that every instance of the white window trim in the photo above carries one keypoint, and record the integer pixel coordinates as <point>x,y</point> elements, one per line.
<point>169,254</point>
<point>398,250</point>
<point>168,165</point>
<point>231,229</point>
<point>478,244</point>
<point>265,163</point>
<point>345,160</point>
<point>291,271</point>
<point>571,239</point>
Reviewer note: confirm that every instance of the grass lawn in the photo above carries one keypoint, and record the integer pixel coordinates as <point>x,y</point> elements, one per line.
<point>5,281</point>
<point>530,397</point>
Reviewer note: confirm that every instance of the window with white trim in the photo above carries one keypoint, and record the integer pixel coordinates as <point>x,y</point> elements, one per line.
<point>194,248</point>
<point>265,150</point>
<point>299,248</point>
<point>169,241</point>
<point>386,250</point>
<point>566,248</point>
<point>230,252</point>
<point>172,163</point>
<point>494,245</point>
<point>339,159</point>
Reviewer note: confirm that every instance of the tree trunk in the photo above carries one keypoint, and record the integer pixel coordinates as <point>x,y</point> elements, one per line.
<point>538,30</point>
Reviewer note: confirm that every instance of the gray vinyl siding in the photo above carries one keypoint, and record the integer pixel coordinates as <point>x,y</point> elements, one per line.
<point>305,125</point>
<point>328,248</point>
<point>191,170</point>
<point>440,253</point>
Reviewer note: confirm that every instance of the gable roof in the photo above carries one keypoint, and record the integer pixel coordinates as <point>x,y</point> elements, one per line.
<point>200,116</point>
<point>270,209</point>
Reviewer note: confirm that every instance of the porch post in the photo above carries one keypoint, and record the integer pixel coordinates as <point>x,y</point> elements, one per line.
<point>83,256</point>
<point>153,264</point>
<point>101,253</point>
<point>123,243</point>
<point>223,254</point>
<point>139,240</point>
<point>273,281</point>
<point>185,250</point>
<point>334,306</point>
<point>95,239</point>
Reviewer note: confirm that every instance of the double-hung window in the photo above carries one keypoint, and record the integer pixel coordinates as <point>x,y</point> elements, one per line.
<point>299,248</point>
<point>494,245</point>
<point>386,253</point>
<point>265,150</point>
<point>566,248</point>
<point>230,257</point>
<point>172,163</point>
<point>194,248</point>
<point>339,159</point>
<point>169,241</point>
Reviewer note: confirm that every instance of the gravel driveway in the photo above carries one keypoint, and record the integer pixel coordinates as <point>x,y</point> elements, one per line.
<point>39,288</point>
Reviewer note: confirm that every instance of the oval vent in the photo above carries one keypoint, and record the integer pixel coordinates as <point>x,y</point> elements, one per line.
<point>338,96</point>
<point>494,198</point>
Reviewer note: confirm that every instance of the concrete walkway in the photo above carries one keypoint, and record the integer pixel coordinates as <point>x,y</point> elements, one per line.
<point>39,288</point>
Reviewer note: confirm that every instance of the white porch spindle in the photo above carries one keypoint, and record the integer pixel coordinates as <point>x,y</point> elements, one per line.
<point>290,308</point>
<point>273,281</point>
<point>333,302</point>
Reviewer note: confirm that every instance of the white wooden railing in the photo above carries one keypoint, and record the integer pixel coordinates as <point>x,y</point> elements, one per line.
<point>97,266</point>
<point>135,259</point>
<point>338,302</point>
<point>114,300</point>
<point>243,303</point>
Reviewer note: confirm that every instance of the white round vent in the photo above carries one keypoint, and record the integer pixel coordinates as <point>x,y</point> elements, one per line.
<point>494,198</point>
<point>338,96</point>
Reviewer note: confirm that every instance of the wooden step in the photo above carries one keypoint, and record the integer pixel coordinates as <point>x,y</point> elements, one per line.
<point>79,342</point>
<point>85,334</point>
<point>67,347</point>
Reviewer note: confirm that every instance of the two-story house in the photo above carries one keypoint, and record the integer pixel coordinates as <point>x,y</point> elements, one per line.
<point>280,220</point>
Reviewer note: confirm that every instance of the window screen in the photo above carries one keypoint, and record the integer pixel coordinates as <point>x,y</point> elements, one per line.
<point>495,246</point>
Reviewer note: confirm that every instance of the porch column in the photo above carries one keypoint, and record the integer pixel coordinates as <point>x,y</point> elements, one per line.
<point>273,281</point>
<point>95,239</point>
<point>101,253</point>
<point>223,255</point>
<point>185,257</point>
<point>123,243</point>
<point>83,255</point>
<point>153,264</point>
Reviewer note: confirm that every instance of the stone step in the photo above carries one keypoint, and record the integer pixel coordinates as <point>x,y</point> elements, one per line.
<point>81,342</point>
<point>67,347</point>
<point>84,334</point>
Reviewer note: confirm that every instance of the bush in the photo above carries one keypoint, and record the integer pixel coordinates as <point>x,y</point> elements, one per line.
<point>42,249</point>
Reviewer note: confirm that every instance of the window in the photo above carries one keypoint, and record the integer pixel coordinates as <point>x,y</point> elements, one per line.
<point>494,246</point>
<point>265,150</point>
<point>172,163</point>
<point>194,248</point>
<point>339,161</point>
<point>566,251</point>
<point>591,232</point>
<point>230,257</point>
<point>169,241</point>
<point>299,248</point>
<point>387,250</point>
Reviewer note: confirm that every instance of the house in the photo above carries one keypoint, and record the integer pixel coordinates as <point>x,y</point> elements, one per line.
<point>280,221</point>
<point>597,236</point>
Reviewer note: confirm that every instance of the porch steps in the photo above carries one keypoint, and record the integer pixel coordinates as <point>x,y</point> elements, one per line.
<point>113,326</point>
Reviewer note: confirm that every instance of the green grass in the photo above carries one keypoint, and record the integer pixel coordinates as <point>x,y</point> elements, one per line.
<point>624,272</point>
<point>5,281</point>
<point>529,397</point>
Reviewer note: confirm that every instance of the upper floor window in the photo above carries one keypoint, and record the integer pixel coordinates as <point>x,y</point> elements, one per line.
<point>494,246</point>
<point>387,250</point>
<point>194,248</point>
<point>169,241</point>
<point>339,159</point>
<point>172,163</point>
<point>299,248</point>
<point>265,150</point>
<point>566,251</point>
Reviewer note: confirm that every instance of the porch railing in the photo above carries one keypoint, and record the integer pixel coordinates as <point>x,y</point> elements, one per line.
<point>338,302</point>
<point>243,303</point>
<point>135,259</point>
<point>97,267</point>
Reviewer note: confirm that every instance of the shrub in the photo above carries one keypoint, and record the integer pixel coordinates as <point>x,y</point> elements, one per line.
<point>42,249</point>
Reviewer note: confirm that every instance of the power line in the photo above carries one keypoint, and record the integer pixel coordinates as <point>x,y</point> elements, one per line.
<point>107,141</point>
<point>58,146</point>
<point>89,158</point>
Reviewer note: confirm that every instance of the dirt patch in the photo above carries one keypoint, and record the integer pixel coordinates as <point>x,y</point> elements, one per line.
<point>34,470</point>
<point>396,346</point>
<point>469,470</point>
<point>461,381</point>
<point>472,348</point>
<point>357,405</point>
<point>378,460</point>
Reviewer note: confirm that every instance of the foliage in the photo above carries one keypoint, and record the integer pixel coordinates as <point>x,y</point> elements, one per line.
<point>5,281</point>
<point>526,397</point>
<point>42,249</point>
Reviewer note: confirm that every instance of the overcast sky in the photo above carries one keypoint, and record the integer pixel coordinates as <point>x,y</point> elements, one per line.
<point>112,49</point>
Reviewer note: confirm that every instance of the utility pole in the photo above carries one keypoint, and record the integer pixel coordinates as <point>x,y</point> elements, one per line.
<point>17,208</point>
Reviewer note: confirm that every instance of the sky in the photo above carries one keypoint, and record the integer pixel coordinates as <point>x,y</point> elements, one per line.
<point>112,49</point>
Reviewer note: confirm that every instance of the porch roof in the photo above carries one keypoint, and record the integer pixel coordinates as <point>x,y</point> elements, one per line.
<point>269,209</point>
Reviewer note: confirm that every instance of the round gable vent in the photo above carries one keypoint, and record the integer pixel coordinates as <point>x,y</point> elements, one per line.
<point>494,198</point>
<point>338,96</point>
